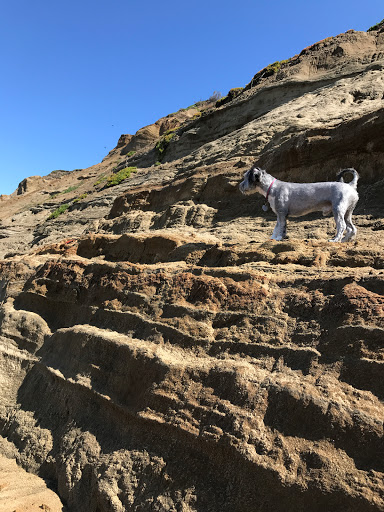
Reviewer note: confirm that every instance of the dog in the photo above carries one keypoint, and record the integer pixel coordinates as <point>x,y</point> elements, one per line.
<point>297,199</point>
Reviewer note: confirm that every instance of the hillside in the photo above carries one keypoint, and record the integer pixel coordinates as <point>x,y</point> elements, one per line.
<point>159,352</point>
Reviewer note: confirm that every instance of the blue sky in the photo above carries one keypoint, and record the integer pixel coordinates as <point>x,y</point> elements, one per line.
<point>77,74</point>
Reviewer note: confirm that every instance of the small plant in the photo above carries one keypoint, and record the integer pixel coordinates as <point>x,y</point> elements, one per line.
<point>131,153</point>
<point>119,176</point>
<point>216,96</point>
<point>61,209</point>
<point>269,70</point>
<point>83,196</point>
<point>233,93</point>
<point>102,178</point>
<point>273,68</point>
<point>66,191</point>
<point>70,189</point>
<point>157,163</point>
<point>163,143</point>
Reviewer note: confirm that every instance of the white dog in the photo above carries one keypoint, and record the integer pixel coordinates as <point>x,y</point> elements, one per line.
<point>296,199</point>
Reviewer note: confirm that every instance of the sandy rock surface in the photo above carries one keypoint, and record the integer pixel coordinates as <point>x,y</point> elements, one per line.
<point>23,492</point>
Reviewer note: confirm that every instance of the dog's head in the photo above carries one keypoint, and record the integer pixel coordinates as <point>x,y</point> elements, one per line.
<point>251,180</point>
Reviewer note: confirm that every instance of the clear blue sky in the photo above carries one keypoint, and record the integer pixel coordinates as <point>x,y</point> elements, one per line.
<point>77,74</point>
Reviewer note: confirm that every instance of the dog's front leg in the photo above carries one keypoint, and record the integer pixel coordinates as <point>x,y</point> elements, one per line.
<point>275,231</point>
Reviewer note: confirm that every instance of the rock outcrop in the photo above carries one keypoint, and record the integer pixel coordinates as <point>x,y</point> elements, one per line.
<point>29,185</point>
<point>159,352</point>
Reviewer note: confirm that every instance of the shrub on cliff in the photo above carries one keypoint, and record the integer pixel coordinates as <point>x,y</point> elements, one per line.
<point>66,191</point>
<point>230,96</point>
<point>271,69</point>
<point>163,143</point>
<point>83,196</point>
<point>119,176</point>
<point>216,96</point>
<point>61,209</point>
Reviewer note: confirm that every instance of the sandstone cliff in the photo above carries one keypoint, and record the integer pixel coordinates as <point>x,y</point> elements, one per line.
<point>159,352</point>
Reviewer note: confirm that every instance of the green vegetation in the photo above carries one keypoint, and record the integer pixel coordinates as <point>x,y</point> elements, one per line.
<point>70,189</point>
<point>187,108</point>
<point>119,176</point>
<point>131,153</point>
<point>376,27</point>
<point>64,207</point>
<point>273,68</point>
<point>116,177</point>
<point>269,70</point>
<point>195,105</point>
<point>163,143</point>
<point>66,191</point>
<point>83,196</point>
<point>61,209</point>
<point>102,178</point>
<point>229,97</point>
<point>235,91</point>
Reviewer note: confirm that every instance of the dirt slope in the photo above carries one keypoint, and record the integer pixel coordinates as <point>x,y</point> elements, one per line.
<point>159,352</point>
<point>23,492</point>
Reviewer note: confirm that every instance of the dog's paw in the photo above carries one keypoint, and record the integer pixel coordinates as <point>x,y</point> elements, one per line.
<point>348,238</point>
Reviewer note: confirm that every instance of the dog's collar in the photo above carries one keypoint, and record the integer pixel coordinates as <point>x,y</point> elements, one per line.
<point>269,189</point>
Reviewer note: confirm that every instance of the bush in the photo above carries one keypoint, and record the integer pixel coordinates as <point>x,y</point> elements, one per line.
<point>233,93</point>
<point>216,96</point>
<point>269,70</point>
<point>163,143</point>
<point>102,178</point>
<point>119,176</point>
<point>83,196</point>
<point>61,209</point>
<point>69,189</point>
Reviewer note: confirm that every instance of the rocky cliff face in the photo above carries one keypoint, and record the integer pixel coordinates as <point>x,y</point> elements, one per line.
<point>159,352</point>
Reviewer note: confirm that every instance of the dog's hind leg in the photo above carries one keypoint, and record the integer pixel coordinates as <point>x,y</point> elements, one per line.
<point>351,228</point>
<point>338,213</point>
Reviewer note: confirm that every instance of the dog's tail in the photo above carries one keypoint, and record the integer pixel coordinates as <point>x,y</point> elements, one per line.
<point>356,176</point>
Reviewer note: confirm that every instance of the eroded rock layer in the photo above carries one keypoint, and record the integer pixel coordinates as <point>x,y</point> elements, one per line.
<point>177,385</point>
